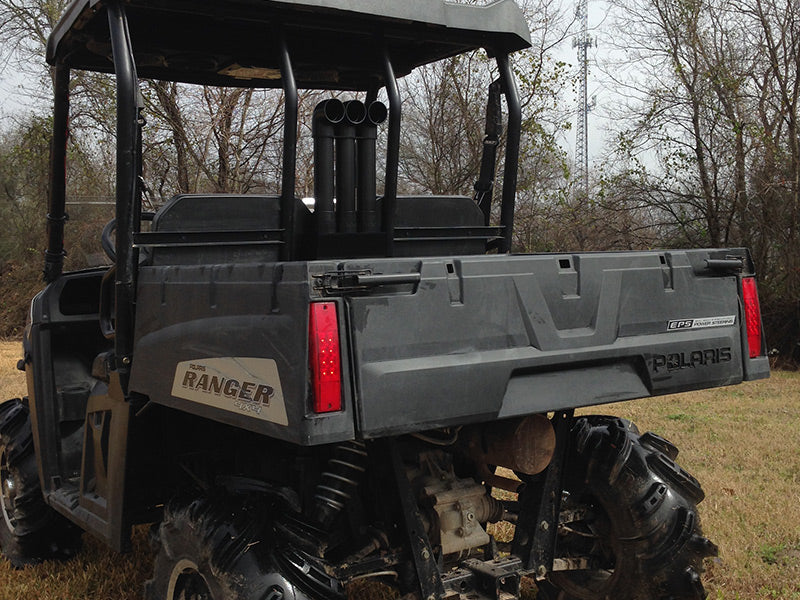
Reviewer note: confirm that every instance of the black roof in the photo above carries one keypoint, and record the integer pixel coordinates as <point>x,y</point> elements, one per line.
<point>333,43</point>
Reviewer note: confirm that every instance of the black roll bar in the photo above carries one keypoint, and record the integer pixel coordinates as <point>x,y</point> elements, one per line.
<point>289,149</point>
<point>392,152</point>
<point>512,150</point>
<point>56,202</point>
<point>127,193</point>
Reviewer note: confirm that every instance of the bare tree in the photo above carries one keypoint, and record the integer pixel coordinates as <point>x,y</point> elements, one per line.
<point>717,115</point>
<point>443,126</point>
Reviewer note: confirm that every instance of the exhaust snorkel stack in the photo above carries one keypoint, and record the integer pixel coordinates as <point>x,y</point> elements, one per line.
<point>353,127</point>
<point>367,132</point>
<point>327,114</point>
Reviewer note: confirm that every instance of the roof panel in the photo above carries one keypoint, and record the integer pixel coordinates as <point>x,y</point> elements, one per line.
<point>334,43</point>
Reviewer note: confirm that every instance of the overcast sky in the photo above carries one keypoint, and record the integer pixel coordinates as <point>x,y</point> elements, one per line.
<point>8,100</point>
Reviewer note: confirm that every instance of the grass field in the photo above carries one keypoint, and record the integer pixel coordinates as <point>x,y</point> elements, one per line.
<point>742,443</point>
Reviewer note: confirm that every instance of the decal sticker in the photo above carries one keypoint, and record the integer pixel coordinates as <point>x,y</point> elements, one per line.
<point>246,385</point>
<point>701,323</point>
<point>691,359</point>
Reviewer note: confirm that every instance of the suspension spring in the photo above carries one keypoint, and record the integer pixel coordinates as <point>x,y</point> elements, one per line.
<point>339,481</point>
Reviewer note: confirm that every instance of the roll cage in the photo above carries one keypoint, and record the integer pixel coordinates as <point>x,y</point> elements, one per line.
<point>289,44</point>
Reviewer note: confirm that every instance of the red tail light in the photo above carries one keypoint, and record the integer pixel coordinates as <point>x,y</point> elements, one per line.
<point>325,357</point>
<point>752,315</point>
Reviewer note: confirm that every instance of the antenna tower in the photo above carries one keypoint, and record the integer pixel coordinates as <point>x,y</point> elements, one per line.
<point>583,41</point>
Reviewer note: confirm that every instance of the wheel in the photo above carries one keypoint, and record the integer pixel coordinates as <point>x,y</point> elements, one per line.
<point>217,549</point>
<point>30,531</point>
<point>629,514</point>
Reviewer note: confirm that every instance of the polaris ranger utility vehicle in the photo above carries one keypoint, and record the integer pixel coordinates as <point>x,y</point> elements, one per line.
<point>312,403</point>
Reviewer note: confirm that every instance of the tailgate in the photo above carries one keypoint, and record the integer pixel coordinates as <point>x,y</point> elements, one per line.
<point>445,341</point>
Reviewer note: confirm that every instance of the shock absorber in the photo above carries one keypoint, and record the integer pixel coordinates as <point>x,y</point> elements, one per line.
<point>339,481</point>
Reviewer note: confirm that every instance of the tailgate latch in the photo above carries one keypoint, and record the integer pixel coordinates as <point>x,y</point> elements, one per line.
<point>340,282</point>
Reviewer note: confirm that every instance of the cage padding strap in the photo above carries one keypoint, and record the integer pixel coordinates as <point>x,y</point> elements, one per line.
<point>485,183</point>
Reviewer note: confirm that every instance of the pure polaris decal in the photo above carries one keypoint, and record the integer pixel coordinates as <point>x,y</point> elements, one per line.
<point>245,385</point>
<point>701,323</point>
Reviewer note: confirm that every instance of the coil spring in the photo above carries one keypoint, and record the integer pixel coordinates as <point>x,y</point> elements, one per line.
<point>339,481</point>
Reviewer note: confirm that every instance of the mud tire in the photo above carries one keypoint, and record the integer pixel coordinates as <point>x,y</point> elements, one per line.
<point>641,525</point>
<point>216,549</point>
<point>30,530</point>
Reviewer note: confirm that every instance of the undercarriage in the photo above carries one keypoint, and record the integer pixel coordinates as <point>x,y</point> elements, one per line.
<point>431,516</point>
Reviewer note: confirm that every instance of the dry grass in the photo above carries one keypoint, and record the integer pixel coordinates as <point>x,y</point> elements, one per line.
<point>12,382</point>
<point>97,573</point>
<point>741,442</point>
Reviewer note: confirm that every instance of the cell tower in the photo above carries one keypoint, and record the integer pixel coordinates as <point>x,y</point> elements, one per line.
<point>583,41</point>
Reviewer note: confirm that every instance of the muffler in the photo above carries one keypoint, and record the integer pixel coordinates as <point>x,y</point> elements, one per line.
<point>524,445</point>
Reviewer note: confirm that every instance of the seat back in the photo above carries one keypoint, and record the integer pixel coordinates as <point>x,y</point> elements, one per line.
<point>211,223</point>
<point>438,226</point>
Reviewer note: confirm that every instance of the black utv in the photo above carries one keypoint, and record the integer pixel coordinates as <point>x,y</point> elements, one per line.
<point>308,403</point>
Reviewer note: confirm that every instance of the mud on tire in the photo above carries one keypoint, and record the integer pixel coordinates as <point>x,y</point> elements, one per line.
<point>30,530</point>
<point>633,511</point>
<point>216,549</point>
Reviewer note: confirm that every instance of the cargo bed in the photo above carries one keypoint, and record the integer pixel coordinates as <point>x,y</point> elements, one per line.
<point>433,342</point>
